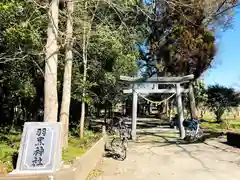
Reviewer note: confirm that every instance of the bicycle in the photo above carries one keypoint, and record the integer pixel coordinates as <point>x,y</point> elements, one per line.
<point>193,130</point>
<point>119,143</point>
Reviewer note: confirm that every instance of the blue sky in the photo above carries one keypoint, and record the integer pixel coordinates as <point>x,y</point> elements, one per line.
<point>226,69</point>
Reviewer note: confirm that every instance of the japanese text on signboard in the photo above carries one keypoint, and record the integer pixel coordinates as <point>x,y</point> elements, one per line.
<point>39,148</point>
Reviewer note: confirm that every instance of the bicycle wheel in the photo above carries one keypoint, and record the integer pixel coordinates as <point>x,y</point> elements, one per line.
<point>119,149</point>
<point>189,139</point>
<point>200,133</point>
<point>116,143</point>
<point>125,142</point>
<point>201,136</point>
<point>123,155</point>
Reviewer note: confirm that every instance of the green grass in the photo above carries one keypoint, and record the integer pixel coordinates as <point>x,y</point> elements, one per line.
<point>77,147</point>
<point>10,142</point>
<point>213,126</point>
<point>229,124</point>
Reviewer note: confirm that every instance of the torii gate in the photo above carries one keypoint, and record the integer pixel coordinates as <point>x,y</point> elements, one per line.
<point>177,81</point>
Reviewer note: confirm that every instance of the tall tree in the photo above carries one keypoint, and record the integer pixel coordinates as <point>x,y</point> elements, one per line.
<point>66,93</point>
<point>220,99</point>
<point>88,14</point>
<point>51,63</point>
<point>84,46</point>
<point>113,33</point>
<point>22,35</point>
<point>102,23</point>
<point>179,41</point>
<point>181,37</point>
<point>200,94</point>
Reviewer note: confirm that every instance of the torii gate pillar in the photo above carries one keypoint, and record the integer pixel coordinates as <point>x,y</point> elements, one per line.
<point>180,110</point>
<point>134,113</point>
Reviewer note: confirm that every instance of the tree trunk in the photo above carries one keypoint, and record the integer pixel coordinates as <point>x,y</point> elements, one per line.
<point>66,95</point>
<point>170,111</point>
<point>192,102</point>
<point>105,114</point>
<point>84,75</point>
<point>86,36</point>
<point>50,83</point>
<point>82,120</point>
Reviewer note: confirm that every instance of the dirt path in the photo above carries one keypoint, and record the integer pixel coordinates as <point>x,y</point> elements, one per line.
<point>158,156</point>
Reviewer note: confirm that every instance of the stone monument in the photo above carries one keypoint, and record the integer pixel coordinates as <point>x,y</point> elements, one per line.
<point>40,149</point>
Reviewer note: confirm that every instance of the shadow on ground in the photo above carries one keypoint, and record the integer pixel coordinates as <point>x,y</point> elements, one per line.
<point>110,153</point>
<point>152,124</point>
<point>169,138</point>
<point>163,139</point>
